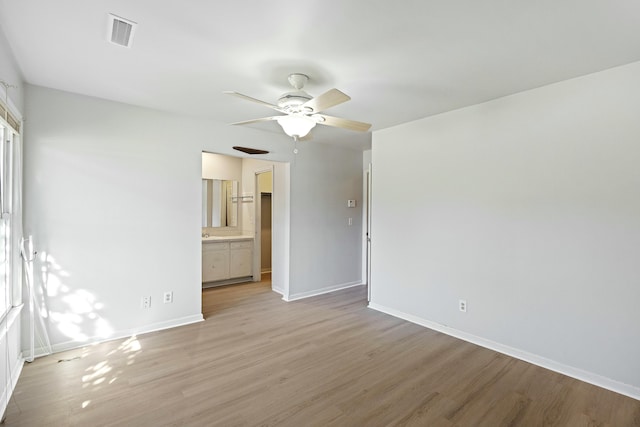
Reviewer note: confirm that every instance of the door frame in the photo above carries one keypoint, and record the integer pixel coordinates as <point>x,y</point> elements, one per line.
<point>257,237</point>
<point>368,232</point>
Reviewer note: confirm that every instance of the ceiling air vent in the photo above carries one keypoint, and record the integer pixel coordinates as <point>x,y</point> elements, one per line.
<point>121,31</point>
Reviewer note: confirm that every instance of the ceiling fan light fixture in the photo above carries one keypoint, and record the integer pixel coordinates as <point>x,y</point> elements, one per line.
<point>295,125</point>
<point>302,109</point>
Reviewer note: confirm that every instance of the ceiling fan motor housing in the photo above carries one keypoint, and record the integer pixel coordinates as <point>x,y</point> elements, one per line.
<point>291,102</point>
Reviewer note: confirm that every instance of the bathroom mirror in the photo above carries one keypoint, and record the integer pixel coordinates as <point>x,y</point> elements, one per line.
<point>219,203</point>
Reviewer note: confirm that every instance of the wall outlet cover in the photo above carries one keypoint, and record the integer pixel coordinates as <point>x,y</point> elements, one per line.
<point>168,297</point>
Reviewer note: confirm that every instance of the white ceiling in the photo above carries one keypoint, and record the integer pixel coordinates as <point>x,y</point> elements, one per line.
<point>398,60</point>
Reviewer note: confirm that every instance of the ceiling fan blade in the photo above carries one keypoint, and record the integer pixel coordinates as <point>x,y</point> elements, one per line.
<point>248,98</point>
<point>263,119</point>
<point>326,100</point>
<point>343,123</point>
<point>250,150</point>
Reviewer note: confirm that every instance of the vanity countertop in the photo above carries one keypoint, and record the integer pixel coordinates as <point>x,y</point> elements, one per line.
<point>226,238</point>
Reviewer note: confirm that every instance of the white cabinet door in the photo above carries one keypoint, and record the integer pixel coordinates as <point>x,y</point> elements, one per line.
<point>241,259</point>
<point>215,261</point>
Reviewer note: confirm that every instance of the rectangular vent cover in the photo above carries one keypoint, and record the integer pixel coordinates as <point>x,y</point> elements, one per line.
<point>121,31</point>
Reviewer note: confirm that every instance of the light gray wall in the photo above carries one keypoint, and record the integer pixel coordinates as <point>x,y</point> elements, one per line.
<point>323,179</point>
<point>113,199</point>
<point>109,199</point>
<point>528,207</point>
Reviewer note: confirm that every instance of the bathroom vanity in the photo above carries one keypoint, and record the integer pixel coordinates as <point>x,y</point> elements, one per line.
<point>226,260</point>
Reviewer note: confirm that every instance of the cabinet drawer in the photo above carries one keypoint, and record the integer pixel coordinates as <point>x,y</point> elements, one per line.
<point>246,244</point>
<point>217,246</point>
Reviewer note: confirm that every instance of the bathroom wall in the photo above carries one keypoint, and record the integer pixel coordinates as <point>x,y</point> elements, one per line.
<point>220,166</point>
<point>264,181</point>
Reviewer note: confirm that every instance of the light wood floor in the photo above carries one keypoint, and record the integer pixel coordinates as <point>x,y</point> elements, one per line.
<point>323,361</point>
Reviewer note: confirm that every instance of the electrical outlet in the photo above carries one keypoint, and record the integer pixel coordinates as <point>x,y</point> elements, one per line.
<point>462,305</point>
<point>146,302</point>
<point>168,297</point>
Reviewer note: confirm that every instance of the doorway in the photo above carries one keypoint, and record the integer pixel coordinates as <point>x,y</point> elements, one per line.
<point>368,231</point>
<point>276,185</point>
<point>265,232</point>
<point>264,223</point>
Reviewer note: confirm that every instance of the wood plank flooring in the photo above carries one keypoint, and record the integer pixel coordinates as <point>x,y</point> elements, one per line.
<point>323,361</point>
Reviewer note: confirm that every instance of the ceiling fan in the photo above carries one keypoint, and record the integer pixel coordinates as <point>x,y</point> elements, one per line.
<point>302,111</point>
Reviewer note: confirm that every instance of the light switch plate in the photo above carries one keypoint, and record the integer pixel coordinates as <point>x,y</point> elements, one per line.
<point>351,203</point>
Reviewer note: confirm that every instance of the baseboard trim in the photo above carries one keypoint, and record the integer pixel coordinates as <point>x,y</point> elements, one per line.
<point>11,386</point>
<point>235,280</point>
<point>321,291</point>
<point>153,327</point>
<point>579,374</point>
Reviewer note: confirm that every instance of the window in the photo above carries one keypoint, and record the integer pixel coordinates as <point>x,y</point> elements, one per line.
<point>10,213</point>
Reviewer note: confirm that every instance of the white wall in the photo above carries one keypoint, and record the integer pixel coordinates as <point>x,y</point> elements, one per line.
<point>113,198</point>
<point>528,207</point>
